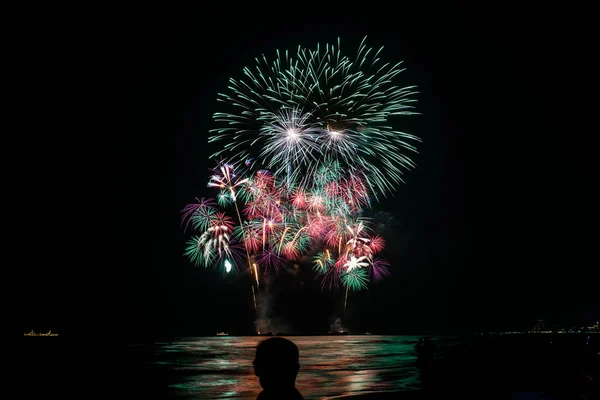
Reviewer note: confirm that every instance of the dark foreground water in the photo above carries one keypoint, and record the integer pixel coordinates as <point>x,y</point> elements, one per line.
<point>469,367</point>
<point>221,367</point>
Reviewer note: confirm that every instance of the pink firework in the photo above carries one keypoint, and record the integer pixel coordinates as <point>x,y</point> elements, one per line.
<point>299,199</point>
<point>266,198</point>
<point>316,226</point>
<point>252,238</point>
<point>355,192</point>
<point>253,209</point>
<point>333,189</point>
<point>341,262</point>
<point>264,179</point>
<point>376,244</point>
<point>291,251</point>
<point>336,231</point>
<point>220,222</point>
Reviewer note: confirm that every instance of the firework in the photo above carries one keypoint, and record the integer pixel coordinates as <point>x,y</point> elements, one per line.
<point>199,214</point>
<point>302,111</point>
<point>214,246</point>
<point>308,148</point>
<point>355,279</point>
<point>226,179</point>
<point>279,224</point>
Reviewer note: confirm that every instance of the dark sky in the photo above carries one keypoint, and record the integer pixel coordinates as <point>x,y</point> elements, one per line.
<point>497,225</point>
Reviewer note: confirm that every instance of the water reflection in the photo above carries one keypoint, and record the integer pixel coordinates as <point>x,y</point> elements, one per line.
<point>221,367</point>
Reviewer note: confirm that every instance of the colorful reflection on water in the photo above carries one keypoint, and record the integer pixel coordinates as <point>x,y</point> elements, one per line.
<point>221,367</point>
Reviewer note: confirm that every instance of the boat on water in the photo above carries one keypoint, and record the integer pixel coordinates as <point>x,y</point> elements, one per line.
<point>222,334</point>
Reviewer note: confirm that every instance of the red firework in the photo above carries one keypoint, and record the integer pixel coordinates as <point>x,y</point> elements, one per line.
<point>222,222</point>
<point>299,200</point>
<point>376,244</point>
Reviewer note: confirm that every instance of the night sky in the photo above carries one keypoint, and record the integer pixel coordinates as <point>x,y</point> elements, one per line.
<point>495,228</point>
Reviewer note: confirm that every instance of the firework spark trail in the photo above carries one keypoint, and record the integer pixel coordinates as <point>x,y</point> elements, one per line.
<point>346,298</point>
<point>256,275</point>
<point>283,237</point>
<point>255,308</point>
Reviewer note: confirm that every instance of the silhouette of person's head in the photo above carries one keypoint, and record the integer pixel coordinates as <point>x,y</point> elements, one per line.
<point>335,325</point>
<point>276,364</point>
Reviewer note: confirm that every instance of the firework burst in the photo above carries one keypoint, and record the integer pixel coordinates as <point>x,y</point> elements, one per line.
<point>199,214</point>
<point>304,109</point>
